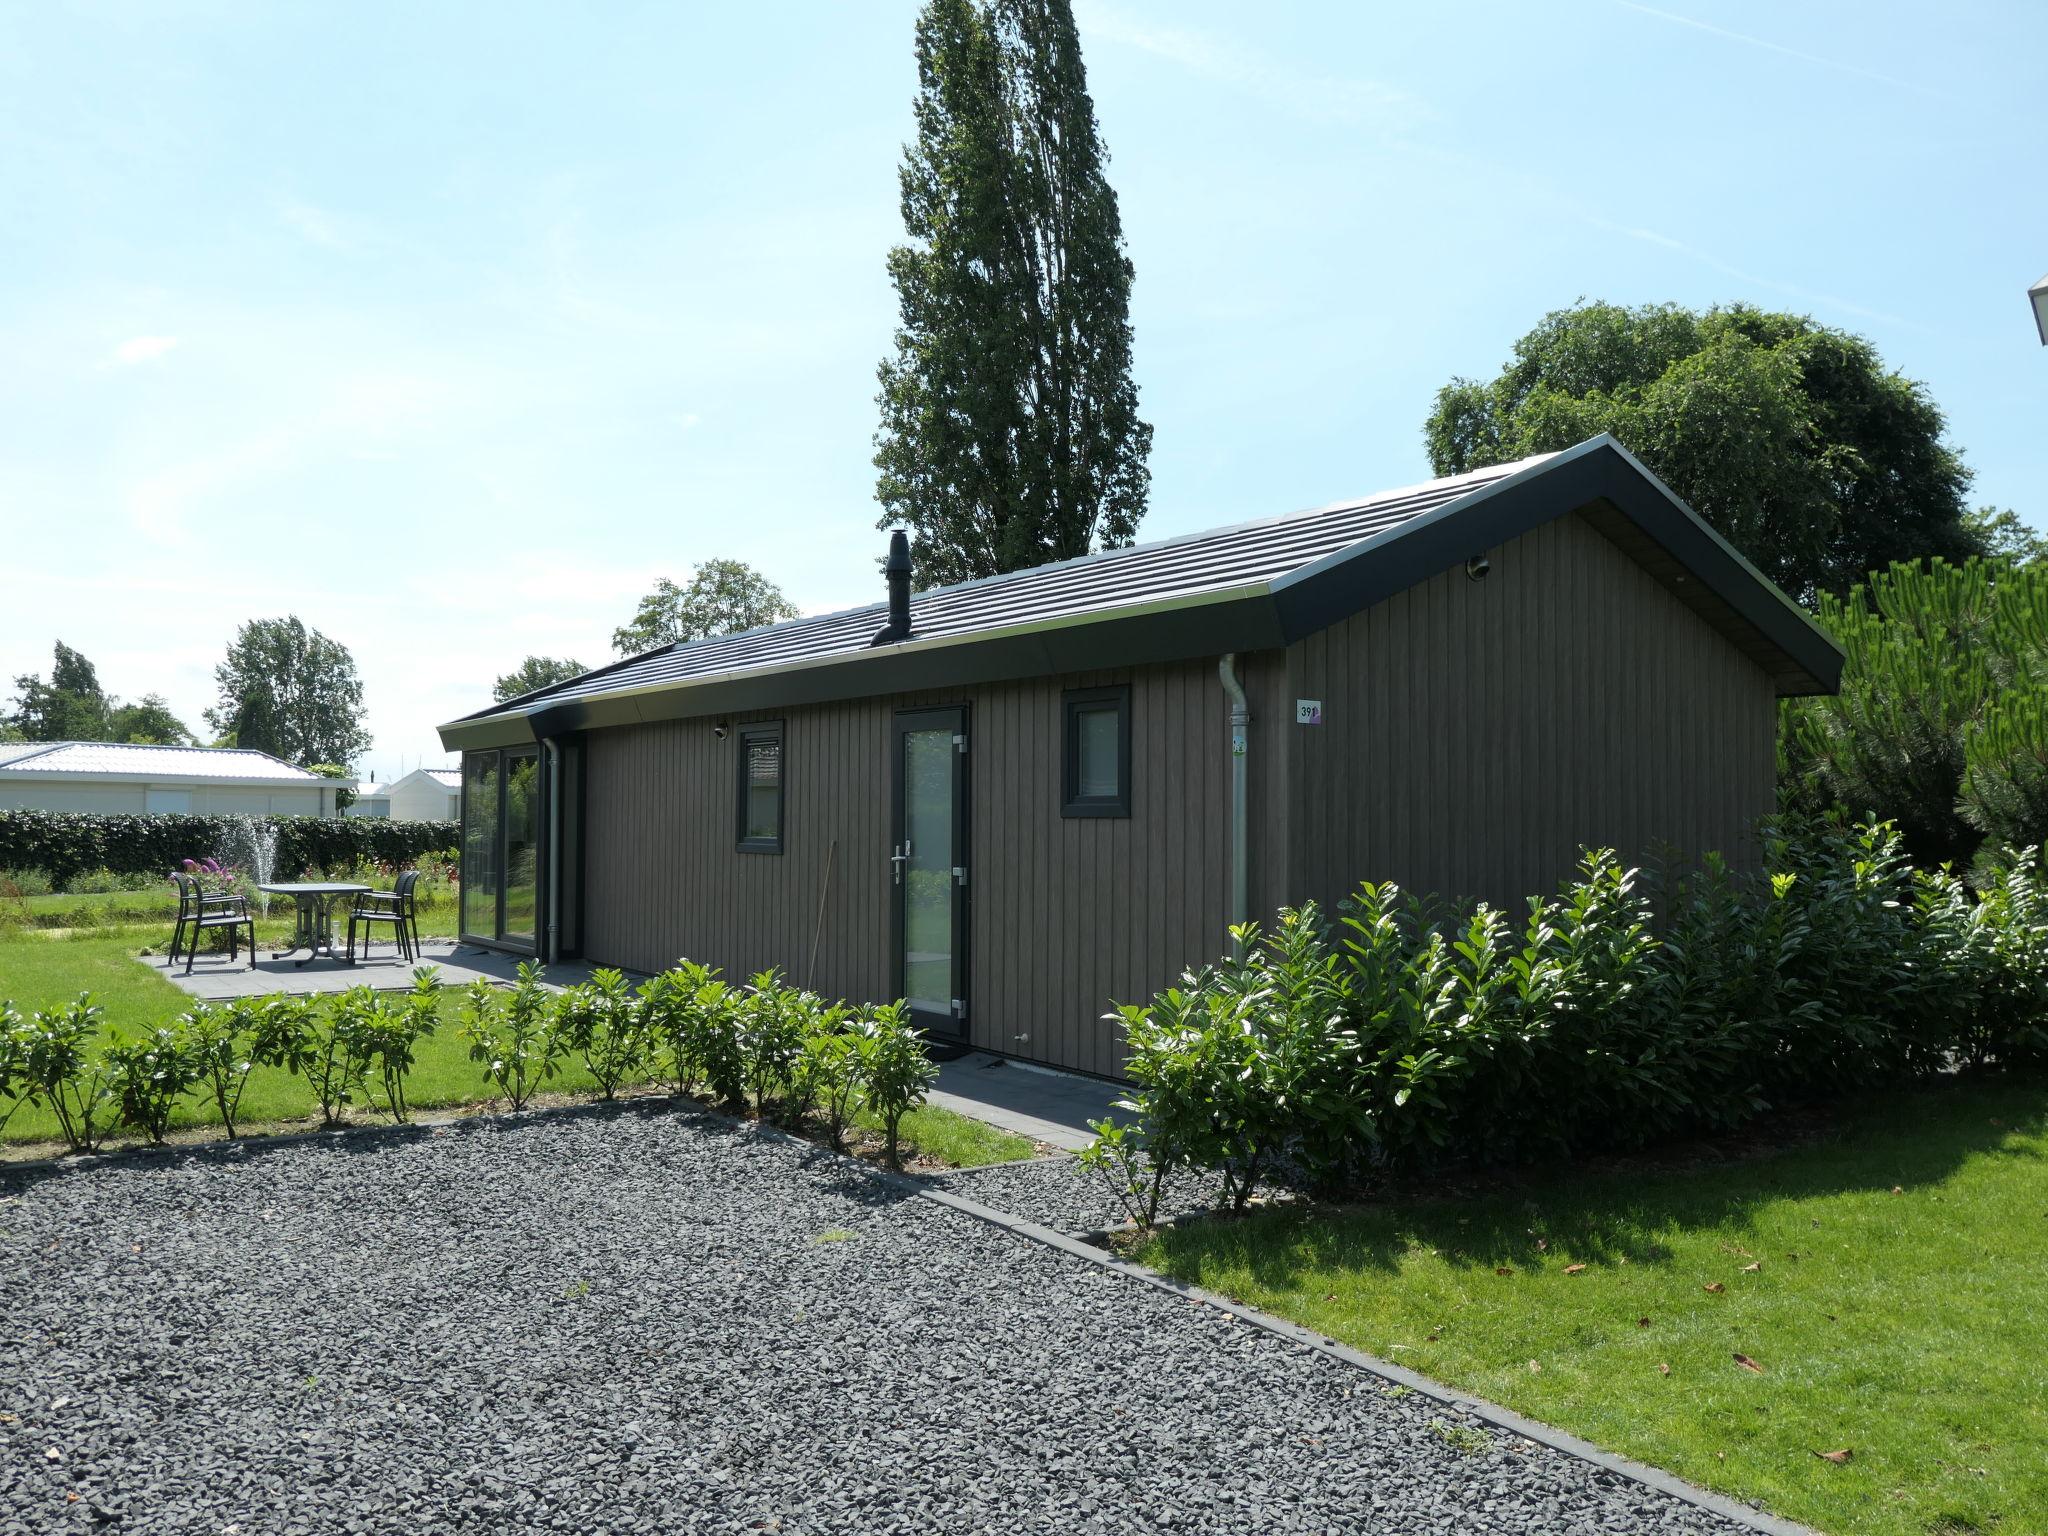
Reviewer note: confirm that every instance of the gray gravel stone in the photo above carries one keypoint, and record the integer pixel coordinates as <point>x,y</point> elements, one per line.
<point>638,1320</point>
<point>1059,1193</point>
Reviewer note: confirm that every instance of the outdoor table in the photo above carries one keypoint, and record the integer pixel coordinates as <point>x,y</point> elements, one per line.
<point>315,899</point>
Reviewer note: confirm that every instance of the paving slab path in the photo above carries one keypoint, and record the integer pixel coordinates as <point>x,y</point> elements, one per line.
<point>216,978</point>
<point>639,1319</point>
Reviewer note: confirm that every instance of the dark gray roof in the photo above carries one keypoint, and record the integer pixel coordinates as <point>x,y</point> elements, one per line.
<point>1206,592</point>
<point>1120,578</point>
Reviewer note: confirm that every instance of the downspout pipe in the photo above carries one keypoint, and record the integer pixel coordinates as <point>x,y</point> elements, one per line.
<point>1240,731</point>
<point>551,950</point>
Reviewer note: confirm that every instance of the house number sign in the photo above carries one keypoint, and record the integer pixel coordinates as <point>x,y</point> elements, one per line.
<point>1308,711</point>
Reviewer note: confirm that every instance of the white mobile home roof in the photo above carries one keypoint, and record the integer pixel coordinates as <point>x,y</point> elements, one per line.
<point>84,760</point>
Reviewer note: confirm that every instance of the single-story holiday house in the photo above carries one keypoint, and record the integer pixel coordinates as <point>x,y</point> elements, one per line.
<point>1014,800</point>
<point>116,778</point>
<point>425,794</point>
<point>370,802</point>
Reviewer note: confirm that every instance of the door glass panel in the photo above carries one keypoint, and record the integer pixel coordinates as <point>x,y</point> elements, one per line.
<point>928,872</point>
<point>480,845</point>
<point>522,846</point>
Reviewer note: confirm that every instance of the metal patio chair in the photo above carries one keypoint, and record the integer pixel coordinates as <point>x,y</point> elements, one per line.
<point>396,907</point>
<point>199,910</point>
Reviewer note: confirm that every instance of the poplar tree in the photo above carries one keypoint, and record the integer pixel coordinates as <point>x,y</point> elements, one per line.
<point>1009,429</point>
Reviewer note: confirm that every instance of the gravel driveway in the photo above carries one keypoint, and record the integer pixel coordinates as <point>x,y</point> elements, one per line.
<point>643,1320</point>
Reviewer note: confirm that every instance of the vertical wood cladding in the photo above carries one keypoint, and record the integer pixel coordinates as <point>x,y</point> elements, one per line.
<point>1068,914</point>
<point>1478,734</point>
<point>1475,735</point>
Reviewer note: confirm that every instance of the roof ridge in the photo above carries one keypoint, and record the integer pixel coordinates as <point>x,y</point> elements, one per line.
<point>1302,515</point>
<point>1271,576</point>
<point>152,746</point>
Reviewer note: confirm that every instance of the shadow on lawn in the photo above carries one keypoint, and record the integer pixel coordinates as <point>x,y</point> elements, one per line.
<point>1621,1210</point>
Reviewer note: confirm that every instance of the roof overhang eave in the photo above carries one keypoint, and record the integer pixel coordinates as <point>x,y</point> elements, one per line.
<point>175,780</point>
<point>1240,617</point>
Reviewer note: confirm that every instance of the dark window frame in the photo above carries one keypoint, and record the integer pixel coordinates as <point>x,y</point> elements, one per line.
<point>756,731</point>
<point>1072,802</point>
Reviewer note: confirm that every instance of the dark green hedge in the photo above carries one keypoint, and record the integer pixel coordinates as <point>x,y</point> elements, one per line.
<point>69,843</point>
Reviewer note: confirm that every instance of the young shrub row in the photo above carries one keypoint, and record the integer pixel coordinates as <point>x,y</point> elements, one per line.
<point>1405,1035</point>
<point>355,1046</point>
<point>779,1049</point>
<point>783,1051</point>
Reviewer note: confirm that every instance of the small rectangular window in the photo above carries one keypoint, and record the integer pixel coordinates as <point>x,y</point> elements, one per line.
<point>1096,780</point>
<point>761,788</point>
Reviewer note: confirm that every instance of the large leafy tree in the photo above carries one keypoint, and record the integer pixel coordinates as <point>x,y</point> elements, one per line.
<point>2005,537</point>
<point>290,691</point>
<point>723,597</point>
<point>71,706</point>
<point>1792,439</point>
<point>148,720</point>
<point>1009,422</point>
<point>536,672</point>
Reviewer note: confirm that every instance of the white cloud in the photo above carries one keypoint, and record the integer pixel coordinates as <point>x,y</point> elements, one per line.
<point>1318,98</point>
<point>1770,47</point>
<point>315,225</point>
<point>358,415</point>
<point>1727,269</point>
<point>688,419</point>
<point>143,349</point>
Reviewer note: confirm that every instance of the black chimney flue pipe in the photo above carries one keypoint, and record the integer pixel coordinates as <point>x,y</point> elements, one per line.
<point>897,569</point>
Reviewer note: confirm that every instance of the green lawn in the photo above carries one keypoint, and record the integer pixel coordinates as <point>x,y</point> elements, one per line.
<point>147,912</point>
<point>43,973</point>
<point>37,972</point>
<point>1890,1279</point>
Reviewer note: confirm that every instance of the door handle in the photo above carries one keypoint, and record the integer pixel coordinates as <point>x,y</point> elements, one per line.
<point>898,859</point>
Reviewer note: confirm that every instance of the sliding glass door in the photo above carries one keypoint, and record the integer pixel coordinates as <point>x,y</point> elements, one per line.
<point>480,867</point>
<point>501,822</point>
<point>521,907</point>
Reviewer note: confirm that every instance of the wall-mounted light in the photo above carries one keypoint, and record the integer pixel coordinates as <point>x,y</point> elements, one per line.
<point>720,729</point>
<point>1477,567</point>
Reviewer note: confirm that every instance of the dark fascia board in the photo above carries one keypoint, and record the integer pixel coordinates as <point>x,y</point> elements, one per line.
<point>1258,616</point>
<point>1599,472</point>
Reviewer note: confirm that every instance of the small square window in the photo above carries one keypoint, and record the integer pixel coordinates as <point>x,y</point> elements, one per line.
<point>761,788</point>
<point>1096,749</point>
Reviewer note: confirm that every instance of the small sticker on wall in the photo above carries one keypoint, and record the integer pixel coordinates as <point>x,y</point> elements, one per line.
<point>1308,711</point>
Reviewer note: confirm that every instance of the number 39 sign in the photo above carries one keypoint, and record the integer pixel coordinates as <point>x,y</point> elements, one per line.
<point>1308,711</point>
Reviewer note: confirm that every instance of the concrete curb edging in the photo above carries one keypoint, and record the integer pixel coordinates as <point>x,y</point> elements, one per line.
<point>1492,1414</point>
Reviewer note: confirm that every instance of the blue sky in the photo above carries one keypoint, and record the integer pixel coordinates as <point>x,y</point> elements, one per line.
<point>449,328</point>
